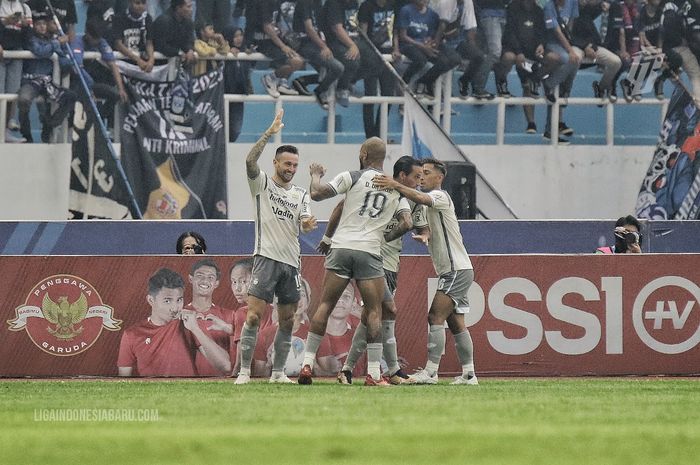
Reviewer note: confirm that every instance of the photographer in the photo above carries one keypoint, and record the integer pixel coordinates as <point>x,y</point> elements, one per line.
<point>191,243</point>
<point>628,239</point>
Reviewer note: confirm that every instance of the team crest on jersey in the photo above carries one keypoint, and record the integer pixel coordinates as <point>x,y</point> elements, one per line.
<point>63,315</point>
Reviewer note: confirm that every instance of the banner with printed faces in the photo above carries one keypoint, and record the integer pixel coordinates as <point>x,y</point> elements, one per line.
<point>530,315</point>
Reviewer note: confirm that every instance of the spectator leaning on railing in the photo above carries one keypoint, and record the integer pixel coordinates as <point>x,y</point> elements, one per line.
<point>173,31</point>
<point>133,35</point>
<point>208,44</point>
<point>236,81</point>
<point>37,80</point>
<point>15,27</point>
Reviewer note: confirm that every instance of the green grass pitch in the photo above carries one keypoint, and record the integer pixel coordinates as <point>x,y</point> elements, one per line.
<point>502,421</point>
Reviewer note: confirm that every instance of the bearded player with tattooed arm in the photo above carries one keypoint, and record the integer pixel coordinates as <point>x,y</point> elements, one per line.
<point>281,211</point>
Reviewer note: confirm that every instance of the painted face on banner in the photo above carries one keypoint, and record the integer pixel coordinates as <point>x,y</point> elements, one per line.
<point>166,305</point>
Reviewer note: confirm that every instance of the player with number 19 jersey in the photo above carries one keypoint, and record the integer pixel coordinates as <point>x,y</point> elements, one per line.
<point>366,212</point>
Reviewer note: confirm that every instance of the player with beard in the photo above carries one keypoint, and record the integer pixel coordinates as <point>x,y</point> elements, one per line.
<point>281,211</point>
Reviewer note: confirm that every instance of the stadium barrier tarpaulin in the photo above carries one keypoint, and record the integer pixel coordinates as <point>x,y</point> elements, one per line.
<point>531,315</point>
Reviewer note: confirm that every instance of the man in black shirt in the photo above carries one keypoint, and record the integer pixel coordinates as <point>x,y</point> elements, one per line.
<point>523,44</point>
<point>173,31</point>
<point>376,19</point>
<point>132,31</point>
<point>337,23</point>
<point>314,49</point>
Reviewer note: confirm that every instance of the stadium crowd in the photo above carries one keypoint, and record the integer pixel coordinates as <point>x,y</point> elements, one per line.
<point>547,41</point>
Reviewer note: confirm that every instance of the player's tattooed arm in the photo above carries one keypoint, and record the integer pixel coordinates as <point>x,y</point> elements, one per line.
<point>405,224</point>
<point>251,161</point>
<point>319,190</point>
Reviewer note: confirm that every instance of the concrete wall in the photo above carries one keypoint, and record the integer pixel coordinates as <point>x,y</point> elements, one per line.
<point>538,182</point>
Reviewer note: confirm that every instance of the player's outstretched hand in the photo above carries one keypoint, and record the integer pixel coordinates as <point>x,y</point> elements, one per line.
<point>317,169</point>
<point>309,223</point>
<point>421,238</point>
<point>277,124</point>
<point>384,182</point>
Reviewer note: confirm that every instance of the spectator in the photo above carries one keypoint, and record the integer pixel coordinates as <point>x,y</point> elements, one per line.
<point>341,34</point>
<point>492,21</point>
<point>418,25</point>
<point>173,32</point>
<point>190,243</point>
<point>15,27</point>
<point>458,27</point>
<point>104,78</point>
<point>376,18</point>
<point>313,47</point>
<point>262,34</point>
<point>588,42</point>
<point>236,81</point>
<point>65,12</point>
<point>208,44</point>
<point>106,11</point>
<point>651,37</point>
<point>628,238</point>
<point>38,81</point>
<point>559,17</point>
<point>523,43</point>
<point>133,36</point>
<point>214,12</point>
<point>629,37</point>
<point>680,23</point>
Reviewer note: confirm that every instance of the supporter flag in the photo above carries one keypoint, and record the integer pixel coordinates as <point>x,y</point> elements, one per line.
<point>422,137</point>
<point>671,187</point>
<point>97,188</point>
<point>173,146</point>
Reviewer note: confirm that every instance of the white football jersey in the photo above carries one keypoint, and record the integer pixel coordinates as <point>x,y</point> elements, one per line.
<point>446,245</point>
<point>366,212</point>
<point>278,214</point>
<point>392,250</point>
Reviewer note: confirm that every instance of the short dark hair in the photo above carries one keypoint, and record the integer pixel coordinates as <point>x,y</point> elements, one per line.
<point>286,148</point>
<point>164,278</point>
<point>197,237</point>
<point>436,163</point>
<point>405,165</point>
<point>175,4</point>
<point>246,263</point>
<point>628,220</point>
<point>205,262</point>
<point>94,27</point>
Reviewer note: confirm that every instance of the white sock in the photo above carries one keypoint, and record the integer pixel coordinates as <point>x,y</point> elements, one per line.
<point>374,357</point>
<point>313,341</point>
<point>431,367</point>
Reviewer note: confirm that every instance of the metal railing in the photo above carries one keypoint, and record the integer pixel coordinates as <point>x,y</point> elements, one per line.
<point>441,109</point>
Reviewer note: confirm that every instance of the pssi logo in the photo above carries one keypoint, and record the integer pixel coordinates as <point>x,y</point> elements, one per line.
<point>63,315</point>
<point>665,314</point>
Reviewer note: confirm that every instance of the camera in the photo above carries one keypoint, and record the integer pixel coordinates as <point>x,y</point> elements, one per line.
<point>625,238</point>
<point>198,250</point>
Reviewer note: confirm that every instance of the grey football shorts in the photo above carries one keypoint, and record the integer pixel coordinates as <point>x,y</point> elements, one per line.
<point>456,284</point>
<point>271,278</point>
<point>355,264</point>
<point>390,278</point>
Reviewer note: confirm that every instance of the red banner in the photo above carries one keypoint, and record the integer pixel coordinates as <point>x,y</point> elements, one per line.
<point>530,315</point>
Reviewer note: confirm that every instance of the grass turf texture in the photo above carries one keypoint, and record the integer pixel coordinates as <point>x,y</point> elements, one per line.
<point>513,421</point>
